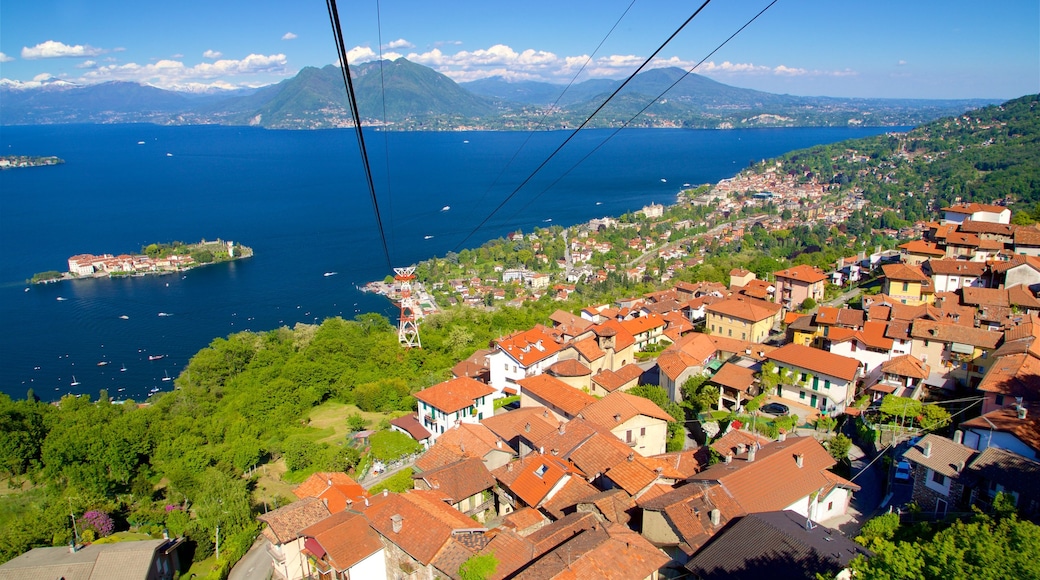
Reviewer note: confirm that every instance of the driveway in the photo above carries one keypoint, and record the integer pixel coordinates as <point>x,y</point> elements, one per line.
<point>255,565</point>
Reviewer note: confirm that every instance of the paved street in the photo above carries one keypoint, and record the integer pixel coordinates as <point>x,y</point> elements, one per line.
<point>255,565</point>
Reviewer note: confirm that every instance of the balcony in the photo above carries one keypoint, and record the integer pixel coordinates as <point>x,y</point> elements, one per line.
<point>276,553</point>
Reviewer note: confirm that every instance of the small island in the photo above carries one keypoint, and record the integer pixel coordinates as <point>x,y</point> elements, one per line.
<point>18,161</point>
<point>166,258</point>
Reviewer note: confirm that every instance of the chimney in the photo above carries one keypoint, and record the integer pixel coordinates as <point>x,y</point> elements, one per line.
<point>498,443</point>
<point>541,451</point>
<point>72,546</point>
<point>729,458</point>
<point>716,517</point>
<point>366,502</point>
<point>631,456</point>
<point>509,466</point>
<point>782,436</point>
<point>798,460</point>
<point>561,429</point>
<point>527,428</point>
<point>329,481</point>
<point>545,413</point>
<point>1021,412</point>
<point>741,448</point>
<point>927,448</point>
<point>959,466</point>
<point>617,417</point>
<point>958,437</point>
<point>751,454</point>
<point>386,492</point>
<point>397,522</point>
<point>350,503</point>
<point>462,446</point>
<point>325,501</point>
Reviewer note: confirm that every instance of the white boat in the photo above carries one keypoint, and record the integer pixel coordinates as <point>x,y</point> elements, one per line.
<point>140,142</point>
<point>155,356</point>
<point>123,370</point>
<point>427,237</point>
<point>154,390</point>
<point>165,314</point>
<point>125,317</point>
<point>102,363</point>
<point>446,208</point>
<point>548,220</point>
<point>327,274</point>
<point>61,299</point>
<point>167,377</point>
<point>169,154</point>
<point>74,381</point>
<point>465,140</point>
<point>663,180</point>
<point>599,203</point>
<point>26,289</point>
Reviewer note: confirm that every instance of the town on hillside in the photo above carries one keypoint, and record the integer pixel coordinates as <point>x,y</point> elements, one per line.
<point>580,474</point>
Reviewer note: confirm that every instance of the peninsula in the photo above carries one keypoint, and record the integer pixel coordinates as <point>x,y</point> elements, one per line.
<point>153,259</point>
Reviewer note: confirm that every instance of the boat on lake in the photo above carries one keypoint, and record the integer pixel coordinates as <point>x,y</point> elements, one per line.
<point>102,363</point>
<point>446,208</point>
<point>74,381</point>
<point>123,370</point>
<point>327,274</point>
<point>155,356</point>
<point>167,377</point>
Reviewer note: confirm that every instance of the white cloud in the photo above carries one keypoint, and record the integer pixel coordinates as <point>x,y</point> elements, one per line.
<point>54,49</point>
<point>399,43</point>
<point>288,36</point>
<point>43,77</point>
<point>169,73</point>
<point>901,63</point>
<point>5,58</point>
<point>211,54</point>
<point>87,64</point>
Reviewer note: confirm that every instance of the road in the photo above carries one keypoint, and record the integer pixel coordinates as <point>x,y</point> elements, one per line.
<point>255,565</point>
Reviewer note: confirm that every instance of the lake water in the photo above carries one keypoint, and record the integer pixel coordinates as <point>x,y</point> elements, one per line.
<point>300,200</point>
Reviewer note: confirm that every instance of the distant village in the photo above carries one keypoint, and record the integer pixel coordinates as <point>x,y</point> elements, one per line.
<point>573,478</point>
<point>20,161</point>
<point>106,265</point>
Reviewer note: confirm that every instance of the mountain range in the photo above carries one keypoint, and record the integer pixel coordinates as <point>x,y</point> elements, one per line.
<point>403,95</point>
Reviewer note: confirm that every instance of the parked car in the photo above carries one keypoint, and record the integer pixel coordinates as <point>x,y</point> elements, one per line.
<point>775,409</point>
<point>903,471</point>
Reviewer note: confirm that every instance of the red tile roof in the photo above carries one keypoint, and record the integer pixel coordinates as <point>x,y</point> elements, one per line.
<point>523,519</point>
<point>345,538</point>
<point>555,392</point>
<point>735,377</point>
<point>529,347</point>
<point>454,395</point>
<point>619,406</point>
<point>815,360</point>
<point>286,522</point>
<point>410,424</point>
<point>1016,375</point>
<point>458,480</point>
<point>688,508</point>
<point>615,505</point>
<point>773,480</point>
<point>534,476</point>
<point>676,464</point>
<point>426,522</point>
<point>531,423</point>
<point>903,272</point>
<point>569,368</point>
<point>745,308</point>
<point>643,324</point>
<point>563,501</point>
<point>588,348</point>
<point>608,552</point>
<point>941,331</point>
<point>1006,420</point>
<point>802,273</point>
<point>922,247</point>
<point>631,476</point>
<point>336,488</point>
<point>622,337</point>
<point>906,366</point>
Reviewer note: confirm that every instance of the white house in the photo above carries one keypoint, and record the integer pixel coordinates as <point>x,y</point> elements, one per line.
<point>523,354</point>
<point>459,400</point>
<point>814,377</point>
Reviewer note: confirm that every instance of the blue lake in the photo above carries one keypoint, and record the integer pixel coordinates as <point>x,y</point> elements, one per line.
<point>301,201</point>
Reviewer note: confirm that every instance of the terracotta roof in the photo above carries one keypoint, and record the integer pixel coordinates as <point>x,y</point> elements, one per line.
<point>615,505</point>
<point>454,395</point>
<point>631,476</point>
<point>531,423</point>
<point>597,452</point>
<point>588,348</point>
<point>286,522</point>
<point>608,551</point>
<point>555,392</point>
<point>674,363</point>
<point>929,330</point>
<point>773,480</point>
<point>567,498</point>
<point>728,443</point>
<point>1027,237</point>
<point>510,549</point>
<point>745,308</point>
<point>774,545</point>
<point>956,267</point>
<point>677,464</point>
<point>452,555</point>
<point>345,538</point>
<point>534,476</point>
<point>336,488</point>
<point>688,509</point>
<point>529,347</point>
<point>572,323</point>
<point>922,247</point>
<point>906,365</point>
<point>568,368</point>
<point>734,376</point>
<point>972,207</point>
<point>426,522</point>
<point>802,273</point>
<point>618,407</point>
<point>611,381</point>
<point>945,456</point>
<point>459,480</point>
<point>523,519</point>
<point>903,272</point>
<point>462,441</point>
<point>726,346</point>
<point>1012,471</point>
<point>643,324</point>
<point>1006,421</point>
<point>410,424</point>
<point>976,227</point>
<point>817,361</point>
<point>962,239</point>
<point>468,368</point>
<point>622,337</point>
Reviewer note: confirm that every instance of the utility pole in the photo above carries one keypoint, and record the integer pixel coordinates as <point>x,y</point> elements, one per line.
<point>218,542</point>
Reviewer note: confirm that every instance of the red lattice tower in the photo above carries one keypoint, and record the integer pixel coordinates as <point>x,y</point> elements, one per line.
<point>407,327</point>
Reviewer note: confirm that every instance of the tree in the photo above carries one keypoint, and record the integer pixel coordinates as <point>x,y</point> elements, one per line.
<point>356,422</point>
<point>479,567</point>
<point>839,447</point>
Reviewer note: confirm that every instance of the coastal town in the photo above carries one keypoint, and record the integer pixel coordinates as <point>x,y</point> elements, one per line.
<point>22,161</point>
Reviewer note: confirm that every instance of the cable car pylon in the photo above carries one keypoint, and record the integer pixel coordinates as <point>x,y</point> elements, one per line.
<point>407,325</point>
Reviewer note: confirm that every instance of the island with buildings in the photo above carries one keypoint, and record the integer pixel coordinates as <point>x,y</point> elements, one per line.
<point>17,161</point>
<point>153,259</point>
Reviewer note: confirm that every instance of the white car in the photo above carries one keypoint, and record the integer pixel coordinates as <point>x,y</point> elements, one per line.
<point>903,470</point>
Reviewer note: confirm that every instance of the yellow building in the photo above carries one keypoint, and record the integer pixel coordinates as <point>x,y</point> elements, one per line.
<point>742,318</point>
<point>908,284</point>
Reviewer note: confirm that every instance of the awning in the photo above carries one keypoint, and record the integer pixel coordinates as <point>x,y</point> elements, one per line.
<point>314,547</point>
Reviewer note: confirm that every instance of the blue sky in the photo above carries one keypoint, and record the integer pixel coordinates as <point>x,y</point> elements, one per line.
<point>885,48</point>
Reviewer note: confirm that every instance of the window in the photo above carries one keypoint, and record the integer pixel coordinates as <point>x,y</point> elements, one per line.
<point>743,336</point>
<point>628,436</point>
<point>906,286</point>
<point>801,394</point>
<point>642,431</point>
<point>541,470</point>
<point>938,478</point>
<point>730,332</point>
<point>830,505</point>
<point>999,399</point>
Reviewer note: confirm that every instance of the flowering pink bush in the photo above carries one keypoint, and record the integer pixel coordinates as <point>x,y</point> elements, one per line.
<point>98,521</point>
